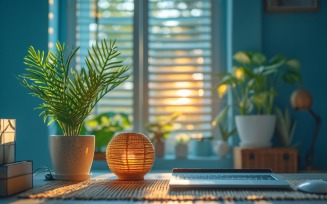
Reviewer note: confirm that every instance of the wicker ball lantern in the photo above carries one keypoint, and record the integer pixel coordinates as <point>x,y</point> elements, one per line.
<point>130,156</point>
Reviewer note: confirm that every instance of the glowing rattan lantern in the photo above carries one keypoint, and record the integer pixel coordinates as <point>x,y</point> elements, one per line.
<point>130,156</point>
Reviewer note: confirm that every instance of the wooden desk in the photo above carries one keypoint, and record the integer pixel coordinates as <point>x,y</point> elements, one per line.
<point>39,180</point>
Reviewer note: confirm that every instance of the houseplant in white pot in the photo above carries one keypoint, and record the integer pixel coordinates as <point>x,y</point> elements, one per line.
<point>68,96</point>
<point>254,84</point>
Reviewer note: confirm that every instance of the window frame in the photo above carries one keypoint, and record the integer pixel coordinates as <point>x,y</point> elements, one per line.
<point>67,20</point>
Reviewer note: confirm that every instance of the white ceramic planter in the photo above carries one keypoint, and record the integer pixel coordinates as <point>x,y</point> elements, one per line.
<point>255,130</point>
<point>72,156</point>
<point>221,148</point>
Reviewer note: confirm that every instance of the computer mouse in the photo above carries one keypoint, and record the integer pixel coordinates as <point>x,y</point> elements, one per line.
<point>313,186</point>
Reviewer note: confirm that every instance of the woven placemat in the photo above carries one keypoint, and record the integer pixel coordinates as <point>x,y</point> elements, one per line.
<point>156,190</point>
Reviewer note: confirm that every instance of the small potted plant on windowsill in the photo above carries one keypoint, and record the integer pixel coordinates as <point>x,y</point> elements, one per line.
<point>160,129</point>
<point>202,145</point>
<point>181,146</point>
<point>221,146</point>
<point>68,96</point>
<point>254,84</point>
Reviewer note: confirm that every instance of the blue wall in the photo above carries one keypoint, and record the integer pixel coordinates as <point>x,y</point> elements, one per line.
<point>23,23</point>
<point>303,36</point>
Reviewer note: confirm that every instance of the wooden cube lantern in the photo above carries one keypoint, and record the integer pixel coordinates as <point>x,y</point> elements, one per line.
<point>7,140</point>
<point>130,156</point>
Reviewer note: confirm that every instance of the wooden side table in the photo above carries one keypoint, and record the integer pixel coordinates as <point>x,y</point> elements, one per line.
<point>280,160</point>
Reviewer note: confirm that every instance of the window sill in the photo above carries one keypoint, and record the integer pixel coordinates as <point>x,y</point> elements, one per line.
<point>169,161</point>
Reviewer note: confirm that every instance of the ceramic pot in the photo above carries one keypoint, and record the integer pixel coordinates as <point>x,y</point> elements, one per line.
<point>202,147</point>
<point>72,156</point>
<point>181,151</point>
<point>255,130</point>
<point>221,148</point>
<point>159,148</point>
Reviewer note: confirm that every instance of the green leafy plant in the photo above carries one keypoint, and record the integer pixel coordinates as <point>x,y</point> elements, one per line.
<point>285,127</point>
<point>222,122</point>
<point>104,127</point>
<point>182,139</point>
<point>68,94</point>
<point>162,126</point>
<point>255,80</point>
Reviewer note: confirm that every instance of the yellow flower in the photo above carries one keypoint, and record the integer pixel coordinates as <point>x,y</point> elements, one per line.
<point>238,72</point>
<point>221,90</point>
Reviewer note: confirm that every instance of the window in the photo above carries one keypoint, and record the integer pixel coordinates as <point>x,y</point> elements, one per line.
<point>169,45</point>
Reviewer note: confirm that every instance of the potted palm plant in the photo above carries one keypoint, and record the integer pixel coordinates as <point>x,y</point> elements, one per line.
<point>68,96</point>
<point>254,84</point>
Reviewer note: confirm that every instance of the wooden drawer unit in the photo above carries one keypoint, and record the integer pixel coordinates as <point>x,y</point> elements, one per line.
<point>280,160</point>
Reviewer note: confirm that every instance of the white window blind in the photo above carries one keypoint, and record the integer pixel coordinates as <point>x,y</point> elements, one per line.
<point>180,63</point>
<point>104,19</point>
<point>179,71</point>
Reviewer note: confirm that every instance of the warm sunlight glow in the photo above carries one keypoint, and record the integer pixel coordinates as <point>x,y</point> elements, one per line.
<point>200,92</point>
<point>200,60</point>
<point>182,84</point>
<point>190,127</point>
<point>221,90</point>
<point>197,76</point>
<point>183,101</point>
<point>198,136</point>
<point>184,92</point>
<point>182,60</point>
<point>87,150</point>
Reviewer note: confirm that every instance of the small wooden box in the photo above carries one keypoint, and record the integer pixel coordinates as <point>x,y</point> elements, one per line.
<point>7,141</point>
<point>15,177</point>
<point>280,160</point>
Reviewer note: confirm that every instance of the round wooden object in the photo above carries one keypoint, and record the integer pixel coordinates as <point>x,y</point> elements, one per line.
<point>130,156</point>
<point>301,99</point>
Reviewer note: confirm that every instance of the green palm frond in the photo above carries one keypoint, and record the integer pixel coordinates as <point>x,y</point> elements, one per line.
<point>69,95</point>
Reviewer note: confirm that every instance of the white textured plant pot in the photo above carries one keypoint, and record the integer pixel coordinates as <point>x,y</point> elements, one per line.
<point>221,148</point>
<point>181,151</point>
<point>72,156</point>
<point>255,130</point>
